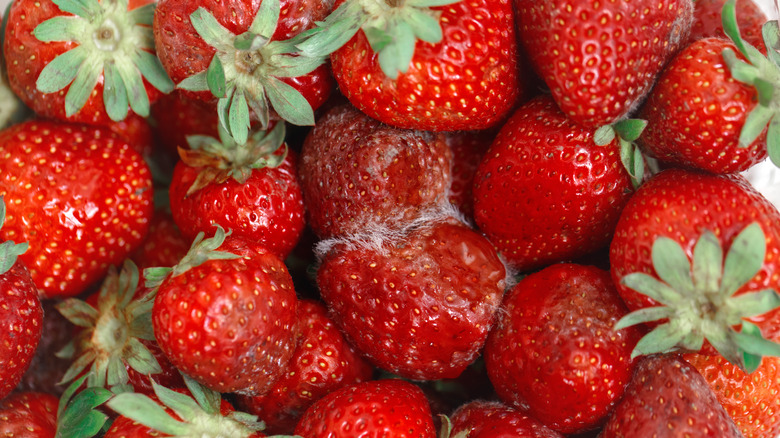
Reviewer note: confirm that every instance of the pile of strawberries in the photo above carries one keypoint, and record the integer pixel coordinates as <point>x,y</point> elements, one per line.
<point>388,218</point>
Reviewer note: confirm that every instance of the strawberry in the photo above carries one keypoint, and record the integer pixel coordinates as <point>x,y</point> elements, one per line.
<point>356,172</point>
<point>235,53</point>
<point>750,399</point>
<point>418,302</point>
<point>322,363</point>
<point>29,415</point>
<point>21,314</point>
<point>462,74</point>
<point>712,105</point>
<point>164,244</point>
<point>708,22</point>
<point>83,61</point>
<point>250,188</point>
<point>699,254</point>
<point>468,148</point>
<point>376,408</point>
<point>176,116</point>
<point>600,58</point>
<point>79,195</point>
<point>489,419</point>
<point>554,353</point>
<point>226,318</point>
<point>46,368</point>
<point>544,192</point>
<point>667,397</point>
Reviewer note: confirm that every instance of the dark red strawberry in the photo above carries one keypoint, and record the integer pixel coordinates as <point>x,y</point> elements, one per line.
<point>377,408</point>
<point>46,368</point>
<point>21,314</point>
<point>545,192</point>
<point>251,189</point>
<point>176,116</point>
<point>322,363</point>
<point>419,302</point>
<point>707,20</point>
<point>356,173</point>
<point>488,419</point>
<point>164,244</point>
<point>467,148</point>
<point>226,314</point>
<point>29,415</point>
<point>600,58</point>
<point>79,195</point>
<point>668,397</point>
<point>86,62</point>
<point>554,353</point>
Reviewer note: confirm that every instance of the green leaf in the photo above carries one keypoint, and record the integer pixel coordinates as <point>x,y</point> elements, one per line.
<point>79,365</point>
<point>752,361</point>
<point>672,265</point>
<point>430,3</point>
<point>755,303</point>
<point>662,339</point>
<point>644,315</point>
<point>332,33</point>
<point>196,82</point>
<point>632,160</point>
<point>61,71</point>
<point>61,28</point>
<point>740,70</point>
<point>604,135</point>
<point>68,394</point>
<point>143,15</point>
<point>397,56</point>
<point>707,262</point>
<point>651,287</point>
<point>79,415</point>
<point>286,66</point>
<point>744,259</point>
<point>114,93</point>
<point>773,141</point>
<point>754,343</point>
<point>730,26</point>
<point>82,8</point>
<point>212,32</point>
<point>9,253</point>
<point>215,77</point>
<point>630,129</point>
<point>238,117</point>
<point>771,34</point>
<point>141,359</point>
<point>151,68</point>
<point>78,312</point>
<point>638,170</point>
<point>209,400</point>
<point>248,41</point>
<point>90,424</point>
<point>81,88</point>
<point>424,26</point>
<point>144,410</point>
<point>136,91</point>
<point>755,123</point>
<point>184,406</point>
<point>153,277</point>
<point>289,103</point>
<point>266,19</point>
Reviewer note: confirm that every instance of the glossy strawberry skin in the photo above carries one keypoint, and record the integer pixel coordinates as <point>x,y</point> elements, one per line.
<point>668,397</point>
<point>29,415</point>
<point>79,195</point>
<point>681,204</point>
<point>378,408</point>
<point>488,419</point>
<point>356,172</point>
<point>554,352</point>
<point>697,110</point>
<point>267,208</point>
<point>708,22</point>
<point>600,61</point>
<point>545,192</point>
<point>229,324</point>
<point>750,399</point>
<point>26,56</point>
<point>420,306</point>
<point>21,323</point>
<point>323,362</point>
<point>467,81</point>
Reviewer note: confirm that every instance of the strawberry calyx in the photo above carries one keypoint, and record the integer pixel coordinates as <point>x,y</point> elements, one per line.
<point>76,413</point>
<point>112,332</point>
<point>626,132</point>
<point>246,69</point>
<point>763,73</point>
<point>223,158</point>
<point>200,414</point>
<point>699,301</point>
<point>201,251</point>
<point>392,28</point>
<point>113,42</point>
<point>9,250</point>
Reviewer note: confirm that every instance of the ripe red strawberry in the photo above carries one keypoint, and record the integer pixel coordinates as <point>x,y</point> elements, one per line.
<point>322,363</point>
<point>418,302</point>
<point>79,195</point>
<point>226,318</point>
<point>600,58</point>
<point>164,244</point>
<point>86,62</point>
<point>136,131</point>
<point>708,22</point>
<point>251,189</point>
<point>467,148</point>
<point>356,173</point>
<point>176,116</point>
<point>21,314</point>
<point>29,415</point>
<point>489,419</point>
<point>376,408</point>
<point>701,251</point>
<point>545,192</point>
<point>554,353</point>
<point>234,53</point>
<point>750,399</point>
<point>461,75</point>
<point>668,397</point>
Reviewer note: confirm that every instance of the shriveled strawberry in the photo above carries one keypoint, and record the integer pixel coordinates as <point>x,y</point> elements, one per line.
<point>356,173</point>
<point>707,20</point>
<point>554,353</point>
<point>21,314</point>
<point>79,195</point>
<point>697,255</point>
<point>750,399</point>
<point>29,415</point>
<point>600,58</point>
<point>251,189</point>
<point>388,407</point>
<point>225,315</point>
<point>545,192</point>
<point>322,363</point>
<point>84,61</point>
<point>164,244</point>
<point>668,397</point>
<point>418,302</point>
<point>490,419</point>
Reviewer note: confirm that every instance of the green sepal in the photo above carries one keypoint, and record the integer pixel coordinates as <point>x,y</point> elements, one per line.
<point>77,416</point>
<point>248,41</point>
<point>771,35</point>
<point>644,315</point>
<point>196,82</point>
<point>330,34</point>
<point>203,250</point>
<point>153,277</point>
<point>114,93</point>
<point>78,312</point>
<point>744,259</point>
<point>289,103</point>
<point>212,32</point>
<point>81,88</point>
<point>757,119</point>
<point>152,70</point>
<point>208,400</point>
<point>751,361</point>
<point>61,71</point>
<point>60,28</point>
<point>142,360</point>
<point>266,19</point>
<point>773,141</point>
<point>183,405</point>
<point>80,364</point>
<point>136,91</point>
<point>663,338</point>
<point>215,77</point>
<point>707,269</point>
<point>115,373</point>
<point>756,303</point>
<point>633,161</point>
<point>604,135</point>
<point>651,287</point>
<point>395,47</point>
<point>82,8</point>
<point>143,15</point>
<point>630,129</point>
<point>424,25</point>
<point>238,116</point>
<point>671,264</point>
<point>144,410</point>
<point>9,251</point>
